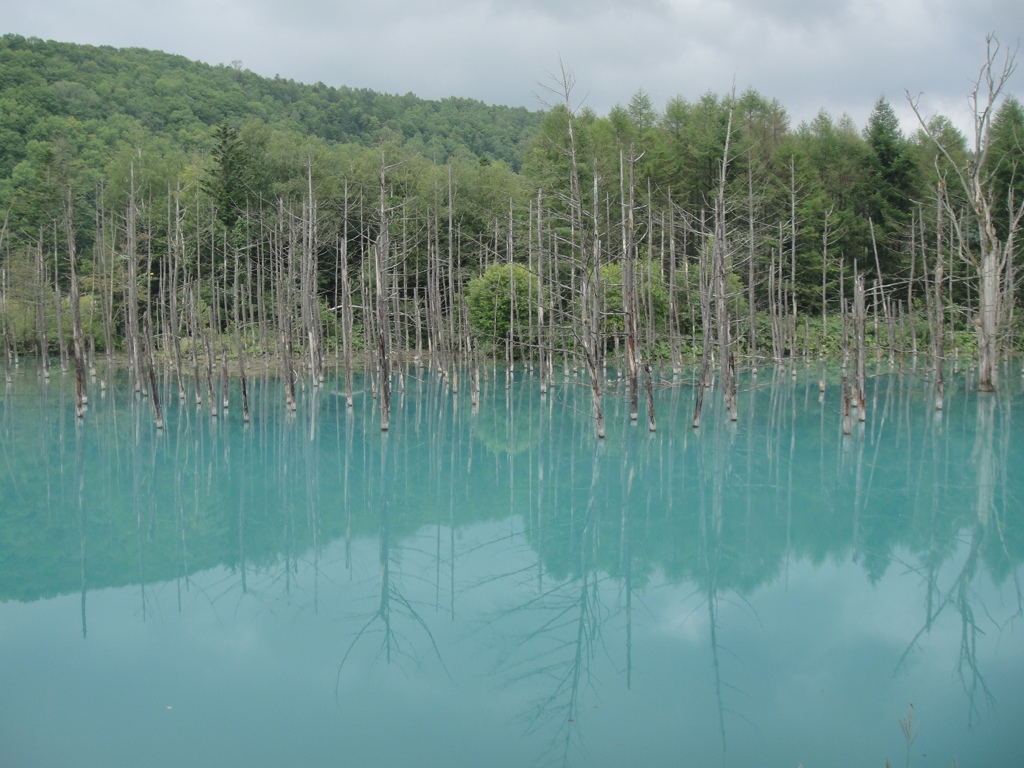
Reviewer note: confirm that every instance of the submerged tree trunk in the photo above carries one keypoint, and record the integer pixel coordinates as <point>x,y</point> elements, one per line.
<point>939,342</point>
<point>58,302</point>
<point>649,387</point>
<point>132,297</point>
<point>44,347</point>
<point>150,369</point>
<point>593,339</point>
<point>381,272</point>
<point>727,376</point>
<point>629,287</point>
<point>77,341</point>
<point>240,347</point>
<point>4,332</point>
<point>177,248</point>
<point>860,340</point>
<point>704,378</point>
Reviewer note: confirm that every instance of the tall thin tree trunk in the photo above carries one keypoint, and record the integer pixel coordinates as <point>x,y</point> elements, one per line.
<point>151,371</point>
<point>62,346</point>
<point>131,246</point>
<point>240,346</point>
<point>629,290</point>
<point>77,342</point>
<point>381,272</point>
<point>939,342</point>
<point>859,326</point>
<point>727,377</point>
<point>41,281</point>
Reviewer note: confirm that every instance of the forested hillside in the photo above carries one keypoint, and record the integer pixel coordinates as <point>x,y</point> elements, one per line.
<point>48,88</point>
<point>226,215</point>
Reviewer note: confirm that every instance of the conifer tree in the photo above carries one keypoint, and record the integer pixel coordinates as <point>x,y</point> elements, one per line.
<point>892,168</point>
<point>226,182</point>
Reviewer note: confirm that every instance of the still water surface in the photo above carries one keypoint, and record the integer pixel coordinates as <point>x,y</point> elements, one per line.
<point>492,586</point>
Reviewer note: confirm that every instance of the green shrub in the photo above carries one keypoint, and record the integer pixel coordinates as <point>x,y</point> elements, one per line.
<point>500,303</point>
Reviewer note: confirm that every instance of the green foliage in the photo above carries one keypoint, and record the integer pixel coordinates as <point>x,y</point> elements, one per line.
<point>932,161</point>
<point>549,161</point>
<point>1006,153</point>
<point>688,298</point>
<point>652,296</point>
<point>179,99</point>
<point>686,154</point>
<point>226,181</point>
<point>500,302</point>
<point>21,320</point>
<point>210,161</point>
<point>892,183</point>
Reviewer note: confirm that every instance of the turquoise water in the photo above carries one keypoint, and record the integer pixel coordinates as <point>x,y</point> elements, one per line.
<point>493,586</point>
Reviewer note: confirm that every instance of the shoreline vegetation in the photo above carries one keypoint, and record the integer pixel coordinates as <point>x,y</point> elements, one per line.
<point>236,228</point>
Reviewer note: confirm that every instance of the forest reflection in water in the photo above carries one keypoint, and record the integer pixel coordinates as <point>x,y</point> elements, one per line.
<point>493,585</point>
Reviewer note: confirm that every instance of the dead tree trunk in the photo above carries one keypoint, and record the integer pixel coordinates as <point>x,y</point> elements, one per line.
<point>151,371</point>
<point>727,376</point>
<point>3,329</point>
<point>239,346</point>
<point>381,255</point>
<point>307,281</point>
<point>939,342</point>
<point>593,339</point>
<point>994,253</point>
<point>707,342</point>
<point>132,298</point>
<point>44,347</point>
<point>77,341</point>
<point>629,288</point>
<point>859,325</point>
<point>58,303</point>
<point>177,247</point>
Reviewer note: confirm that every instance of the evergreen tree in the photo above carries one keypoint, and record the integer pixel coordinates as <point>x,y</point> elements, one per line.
<point>226,181</point>
<point>1006,142</point>
<point>892,168</point>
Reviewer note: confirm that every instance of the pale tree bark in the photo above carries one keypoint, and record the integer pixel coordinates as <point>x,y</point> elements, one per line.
<point>629,288</point>
<point>132,318</point>
<point>586,254</point>
<point>381,254</point>
<point>593,338</point>
<point>310,308</point>
<point>992,261</point>
<point>3,325</point>
<point>939,342</point>
<point>705,282</point>
<point>860,340</point>
<point>727,376</point>
<point>77,340</point>
<point>177,247</point>
<point>44,347</point>
<point>62,346</point>
<point>151,371</point>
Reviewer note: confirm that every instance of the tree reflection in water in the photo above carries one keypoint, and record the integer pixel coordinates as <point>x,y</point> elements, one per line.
<point>581,535</point>
<point>987,530</point>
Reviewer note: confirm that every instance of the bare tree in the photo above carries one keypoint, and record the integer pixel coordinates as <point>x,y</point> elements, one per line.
<point>382,275</point>
<point>586,249</point>
<point>727,377</point>
<point>993,260</point>
<point>78,343</point>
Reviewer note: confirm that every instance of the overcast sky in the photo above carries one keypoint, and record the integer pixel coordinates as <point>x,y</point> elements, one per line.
<point>836,55</point>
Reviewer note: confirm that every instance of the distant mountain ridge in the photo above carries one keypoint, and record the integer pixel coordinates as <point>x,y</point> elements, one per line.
<point>108,89</point>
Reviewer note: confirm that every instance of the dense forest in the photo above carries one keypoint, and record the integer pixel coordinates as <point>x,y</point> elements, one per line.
<point>195,217</point>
